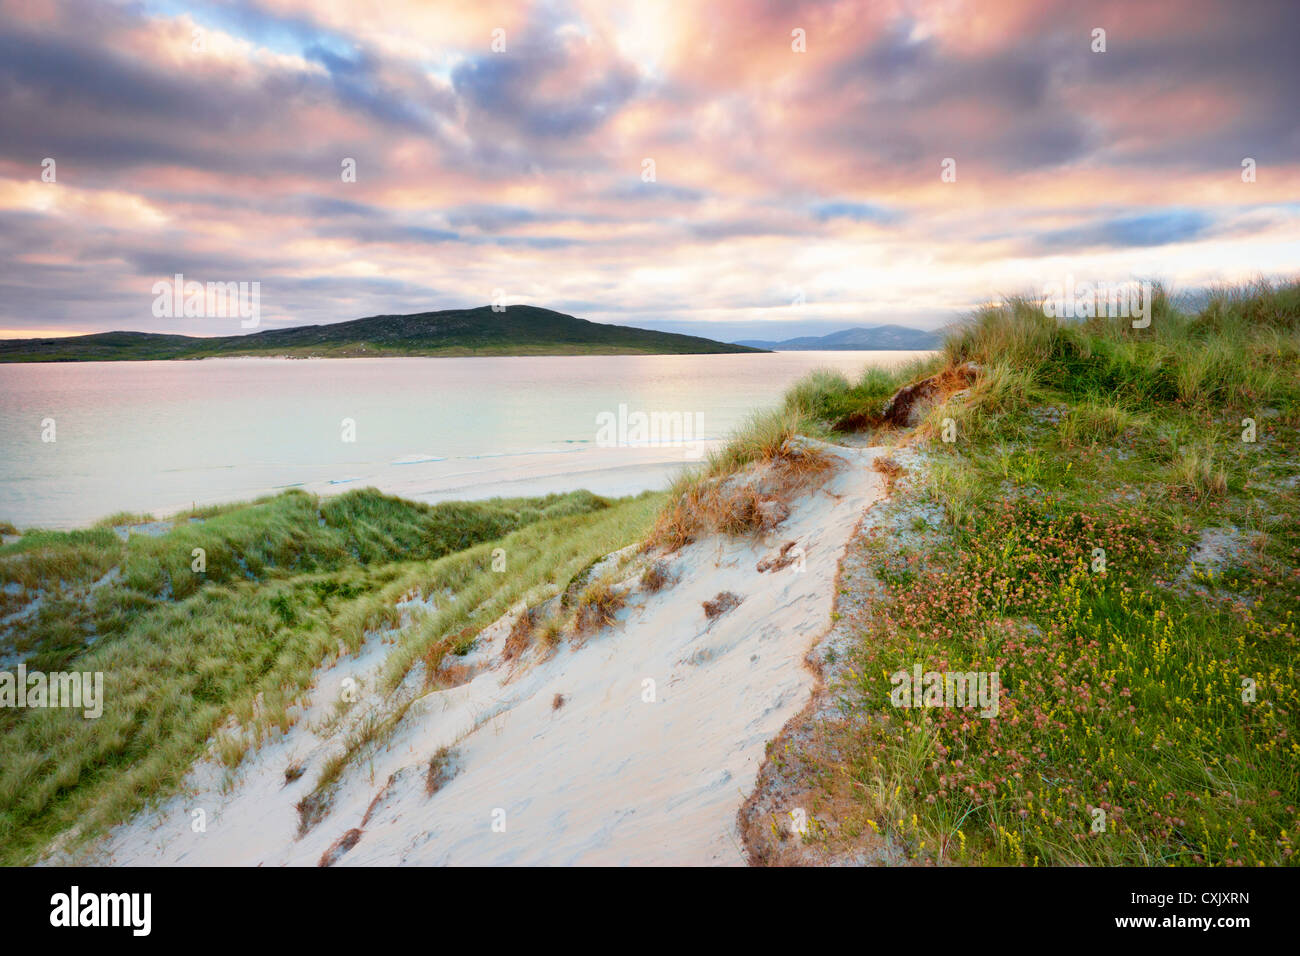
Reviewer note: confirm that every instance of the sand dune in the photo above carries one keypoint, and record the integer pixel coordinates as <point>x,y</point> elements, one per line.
<point>656,741</point>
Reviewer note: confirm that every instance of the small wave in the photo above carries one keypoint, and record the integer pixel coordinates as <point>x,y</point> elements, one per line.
<point>521,454</point>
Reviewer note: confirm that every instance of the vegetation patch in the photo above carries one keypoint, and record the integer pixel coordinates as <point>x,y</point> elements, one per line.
<point>1146,713</point>
<point>216,661</point>
<point>732,496</point>
<point>721,603</point>
<point>599,606</point>
<point>442,767</point>
<point>340,846</point>
<point>656,577</point>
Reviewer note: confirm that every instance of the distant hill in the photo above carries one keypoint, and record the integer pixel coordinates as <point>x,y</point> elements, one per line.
<point>519,330</point>
<point>871,337</point>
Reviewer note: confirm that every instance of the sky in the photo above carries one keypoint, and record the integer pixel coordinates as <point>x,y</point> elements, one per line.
<point>732,169</point>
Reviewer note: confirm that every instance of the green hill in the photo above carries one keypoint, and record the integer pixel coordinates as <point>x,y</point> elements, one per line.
<point>519,330</point>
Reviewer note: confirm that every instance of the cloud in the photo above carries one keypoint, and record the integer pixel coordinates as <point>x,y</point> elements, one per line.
<point>550,82</point>
<point>522,170</point>
<point>1142,230</point>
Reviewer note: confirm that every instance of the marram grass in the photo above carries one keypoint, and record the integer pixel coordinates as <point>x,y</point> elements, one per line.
<point>220,661</point>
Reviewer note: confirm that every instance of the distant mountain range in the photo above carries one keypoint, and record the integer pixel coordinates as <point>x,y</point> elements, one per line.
<point>871,337</point>
<point>519,330</point>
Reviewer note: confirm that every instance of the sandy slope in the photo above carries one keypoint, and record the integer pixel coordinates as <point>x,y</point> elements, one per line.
<point>607,778</point>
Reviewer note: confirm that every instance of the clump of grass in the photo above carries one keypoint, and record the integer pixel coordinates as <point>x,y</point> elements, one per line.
<point>599,606</point>
<point>312,809</point>
<point>745,511</point>
<point>521,633</point>
<point>760,439</point>
<point>704,502</point>
<point>656,577</point>
<point>231,748</point>
<point>441,770</point>
<point>1017,330</point>
<point>1091,422</point>
<point>552,631</point>
<point>721,603</point>
<point>124,518</point>
<point>1196,470</point>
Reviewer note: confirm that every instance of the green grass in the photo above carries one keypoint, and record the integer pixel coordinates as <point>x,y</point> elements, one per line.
<point>288,579</point>
<point>288,534</point>
<point>1123,687</point>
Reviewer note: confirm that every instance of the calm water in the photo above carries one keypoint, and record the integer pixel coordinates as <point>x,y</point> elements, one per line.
<point>159,436</point>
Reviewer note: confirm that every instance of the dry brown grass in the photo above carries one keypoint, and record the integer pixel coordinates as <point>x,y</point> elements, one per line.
<point>378,801</point>
<point>891,469</point>
<point>311,810</point>
<point>598,607</point>
<point>340,846</point>
<point>521,634</point>
<point>451,675</point>
<point>721,503</point>
<point>433,664</point>
<point>438,674</point>
<point>1198,473</point>
<point>440,771</point>
<point>723,602</point>
<point>656,577</point>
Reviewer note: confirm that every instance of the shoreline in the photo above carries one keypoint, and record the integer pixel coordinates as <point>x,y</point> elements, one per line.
<point>289,357</point>
<point>611,481</point>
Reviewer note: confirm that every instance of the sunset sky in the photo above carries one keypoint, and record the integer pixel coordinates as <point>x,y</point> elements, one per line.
<point>793,192</point>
